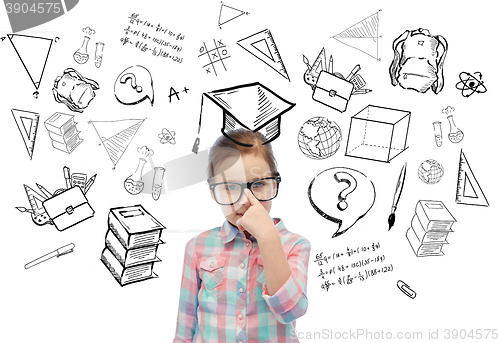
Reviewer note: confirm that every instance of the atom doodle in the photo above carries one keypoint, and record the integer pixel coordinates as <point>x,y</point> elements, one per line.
<point>167,136</point>
<point>470,84</point>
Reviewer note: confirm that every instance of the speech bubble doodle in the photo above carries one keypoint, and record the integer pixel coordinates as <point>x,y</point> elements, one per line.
<point>337,203</point>
<point>134,85</point>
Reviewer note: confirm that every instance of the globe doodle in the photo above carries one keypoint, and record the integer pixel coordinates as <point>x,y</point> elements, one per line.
<point>430,172</point>
<point>319,138</point>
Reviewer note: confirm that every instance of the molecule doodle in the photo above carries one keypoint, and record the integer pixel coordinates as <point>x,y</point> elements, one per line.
<point>470,84</point>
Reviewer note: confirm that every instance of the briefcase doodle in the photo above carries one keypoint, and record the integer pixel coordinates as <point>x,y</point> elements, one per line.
<point>332,91</point>
<point>68,208</point>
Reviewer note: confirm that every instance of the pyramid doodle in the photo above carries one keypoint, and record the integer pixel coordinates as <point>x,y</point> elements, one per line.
<point>33,52</point>
<point>116,136</point>
<point>362,36</point>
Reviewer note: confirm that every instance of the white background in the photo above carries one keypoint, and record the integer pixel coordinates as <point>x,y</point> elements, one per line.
<point>75,299</point>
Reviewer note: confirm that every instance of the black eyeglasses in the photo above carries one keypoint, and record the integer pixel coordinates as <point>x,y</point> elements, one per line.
<point>229,193</point>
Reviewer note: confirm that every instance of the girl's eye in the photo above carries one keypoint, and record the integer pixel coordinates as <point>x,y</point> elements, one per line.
<point>258,184</point>
<point>231,187</point>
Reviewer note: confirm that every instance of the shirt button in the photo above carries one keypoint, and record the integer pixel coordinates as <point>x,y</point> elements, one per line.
<point>247,244</point>
<point>241,289</point>
<point>240,342</point>
<point>242,265</point>
<point>240,316</point>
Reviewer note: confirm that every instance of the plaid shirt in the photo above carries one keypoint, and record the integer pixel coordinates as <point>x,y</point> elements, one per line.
<point>223,296</point>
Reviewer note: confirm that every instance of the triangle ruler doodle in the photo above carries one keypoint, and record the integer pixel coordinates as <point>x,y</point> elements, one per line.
<point>468,190</point>
<point>33,53</point>
<point>27,123</point>
<point>262,46</point>
<point>116,136</point>
<point>362,36</point>
<point>228,13</point>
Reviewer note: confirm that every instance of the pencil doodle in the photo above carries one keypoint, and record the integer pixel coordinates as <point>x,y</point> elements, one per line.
<point>134,183</point>
<point>418,61</point>
<point>362,36</point>
<point>403,287</point>
<point>354,200</point>
<point>167,136</point>
<point>470,84</point>
<point>469,191</point>
<point>33,52</point>
<point>263,46</point>
<point>215,56</point>
<point>74,90</point>
<point>429,228</point>
<point>438,133</point>
<point>64,250</point>
<point>319,138</point>
<point>64,208</point>
<point>81,56</point>
<point>63,132</point>
<point>430,172</point>
<point>332,88</point>
<point>158,182</point>
<point>116,135</point>
<point>378,133</point>
<point>228,13</point>
<point>134,85</point>
<point>251,106</point>
<point>397,195</point>
<point>27,124</point>
<point>131,244</point>
<point>99,51</point>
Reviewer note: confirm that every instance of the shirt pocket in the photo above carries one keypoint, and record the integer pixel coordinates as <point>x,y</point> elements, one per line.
<point>212,271</point>
<point>261,276</point>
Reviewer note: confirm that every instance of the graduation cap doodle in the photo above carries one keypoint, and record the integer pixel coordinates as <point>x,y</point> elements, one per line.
<point>251,106</point>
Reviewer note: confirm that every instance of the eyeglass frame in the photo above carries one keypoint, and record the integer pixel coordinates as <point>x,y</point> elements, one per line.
<point>244,185</point>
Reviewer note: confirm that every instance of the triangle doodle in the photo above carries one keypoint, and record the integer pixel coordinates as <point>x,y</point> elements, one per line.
<point>362,36</point>
<point>33,52</point>
<point>27,124</point>
<point>228,13</point>
<point>469,191</point>
<point>262,46</point>
<point>116,136</point>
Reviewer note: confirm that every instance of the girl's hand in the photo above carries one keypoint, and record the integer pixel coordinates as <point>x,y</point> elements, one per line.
<point>256,219</point>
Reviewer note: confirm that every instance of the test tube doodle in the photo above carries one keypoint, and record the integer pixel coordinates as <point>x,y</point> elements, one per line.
<point>157,182</point>
<point>438,133</point>
<point>99,47</point>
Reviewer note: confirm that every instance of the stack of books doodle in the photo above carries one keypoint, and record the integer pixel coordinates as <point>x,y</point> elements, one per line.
<point>63,132</point>
<point>429,228</point>
<point>132,242</point>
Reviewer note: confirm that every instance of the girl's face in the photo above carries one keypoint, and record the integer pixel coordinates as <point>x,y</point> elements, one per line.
<point>248,168</point>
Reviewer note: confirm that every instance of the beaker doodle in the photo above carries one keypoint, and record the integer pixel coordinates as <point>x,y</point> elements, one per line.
<point>438,133</point>
<point>99,47</point>
<point>81,56</point>
<point>157,182</point>
<point>456,135</point>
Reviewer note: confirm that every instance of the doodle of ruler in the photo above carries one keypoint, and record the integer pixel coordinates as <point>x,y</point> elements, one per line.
<point>469,191</point>
<point>27,123</point>
<point>262,46</point>
<point>116,135</point>
<point>362,36</point>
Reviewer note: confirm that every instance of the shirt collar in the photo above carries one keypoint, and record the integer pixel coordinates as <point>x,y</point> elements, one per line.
<point>228,231</point>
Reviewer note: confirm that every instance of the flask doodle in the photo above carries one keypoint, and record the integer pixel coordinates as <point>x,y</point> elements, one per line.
<point>134,85</point>
<point>351,203</point>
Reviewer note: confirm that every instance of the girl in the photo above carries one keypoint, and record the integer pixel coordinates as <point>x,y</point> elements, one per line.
<point>245,281</point>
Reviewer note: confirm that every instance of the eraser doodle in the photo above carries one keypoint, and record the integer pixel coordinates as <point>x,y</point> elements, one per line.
<point>134,85</point>
<point>342,205</point>
<point>406,289</point>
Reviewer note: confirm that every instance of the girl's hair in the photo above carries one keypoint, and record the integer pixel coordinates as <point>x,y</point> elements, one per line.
<point>225,147</point>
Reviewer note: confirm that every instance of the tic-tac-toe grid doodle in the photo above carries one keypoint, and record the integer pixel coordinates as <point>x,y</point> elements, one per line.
<point>215,56</point>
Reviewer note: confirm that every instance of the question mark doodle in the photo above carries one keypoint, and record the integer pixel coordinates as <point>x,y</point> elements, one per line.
<point>133,82</point>
<point>351,186</point>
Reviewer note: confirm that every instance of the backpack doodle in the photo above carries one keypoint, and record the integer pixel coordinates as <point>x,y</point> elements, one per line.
<point>418,61</point>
